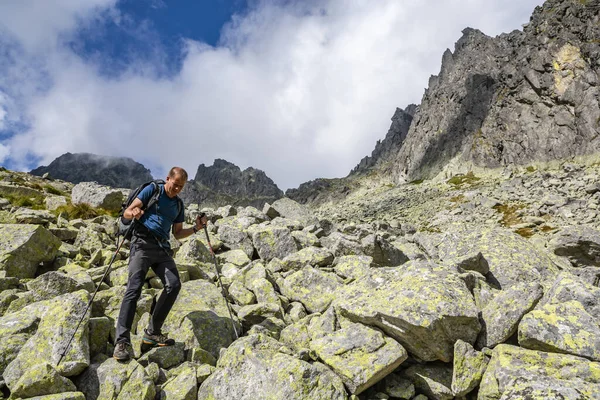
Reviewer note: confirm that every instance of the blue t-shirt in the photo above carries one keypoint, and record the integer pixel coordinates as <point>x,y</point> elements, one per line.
<point>163,214</point>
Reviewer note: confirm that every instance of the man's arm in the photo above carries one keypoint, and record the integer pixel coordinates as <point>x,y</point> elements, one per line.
<point>134,210</point>
<point>180,232</point>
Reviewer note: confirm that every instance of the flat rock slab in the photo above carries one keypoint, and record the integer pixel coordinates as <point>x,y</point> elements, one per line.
<point>361,356</point>
<point>24,247</point>
<point>254,367</point>
<point>425,307</point>
<point>514,372</point>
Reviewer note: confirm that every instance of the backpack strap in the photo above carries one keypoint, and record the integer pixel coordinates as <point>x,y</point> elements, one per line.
<point>155,194</point>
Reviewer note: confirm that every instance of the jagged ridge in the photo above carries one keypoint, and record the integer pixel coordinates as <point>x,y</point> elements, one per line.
<point>225,183</point>
<point>85,167</point>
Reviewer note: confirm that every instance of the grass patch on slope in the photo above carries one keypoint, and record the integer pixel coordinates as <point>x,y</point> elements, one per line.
<point>82,210</point>
<point>467,179</point>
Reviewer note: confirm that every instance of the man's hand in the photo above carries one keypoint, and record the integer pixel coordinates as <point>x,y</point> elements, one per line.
<point>201,221</point>
<point>136,213</point>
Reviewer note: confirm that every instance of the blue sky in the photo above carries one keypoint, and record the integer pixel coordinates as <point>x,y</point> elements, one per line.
<point>299,89</point>
<point>148,27</point>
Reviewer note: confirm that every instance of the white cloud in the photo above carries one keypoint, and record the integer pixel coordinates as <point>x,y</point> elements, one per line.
<point>300,90</point>
<point>2,112</point>
<point>37,24</point>
<point>4,152</point>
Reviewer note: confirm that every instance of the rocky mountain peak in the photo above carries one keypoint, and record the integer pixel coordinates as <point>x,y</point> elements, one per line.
<point>226,182</point>
<point>84,167</point>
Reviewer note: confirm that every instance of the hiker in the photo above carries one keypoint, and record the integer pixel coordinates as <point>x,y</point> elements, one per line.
<point>150,248</point>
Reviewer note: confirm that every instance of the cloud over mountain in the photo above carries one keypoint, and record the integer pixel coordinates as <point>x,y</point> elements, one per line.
<point>297,89</point>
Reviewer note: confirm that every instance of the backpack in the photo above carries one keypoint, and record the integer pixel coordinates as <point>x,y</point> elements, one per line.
<point>124,227</point>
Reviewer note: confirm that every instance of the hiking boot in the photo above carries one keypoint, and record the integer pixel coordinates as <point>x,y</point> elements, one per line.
<point>122,351</point>
<point>157,340</point>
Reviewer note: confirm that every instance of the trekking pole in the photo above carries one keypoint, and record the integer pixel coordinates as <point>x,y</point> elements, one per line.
<point>94,295</point>
<point>220,283</point>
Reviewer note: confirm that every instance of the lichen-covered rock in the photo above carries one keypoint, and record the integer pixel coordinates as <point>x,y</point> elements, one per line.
<point>201,356</point>
<point>352,267</point>
<point>183,386</point>
<point>567,287</point>
<point>529,372</point>
<point>382,251</point>
<point>288,208</point>
<point>250,211</point>
<point>200,318</point>
<point>304,239</point>
<point>273,242</point>
<point>240,294</point>
<point>83,279</point>
<point>256,313</point>
<point>39,380</point>
<point>234,238</point>
<point>270,326</point>
<point>435,380</point>
<point>296,311</point>
<point>511,258</point>
<point>10,346</point>
<point>397,387</point>
<point>579,244</point>
<point>468,368</point>
<point>361,356</point>
<point>61,396</point>
<point>90,239</point>
<point>236,257</point>
<point>53,202</point>
<point>313,256</point>
<point>88,382</point>
<point>299,334</point>
<point>241,223</point>
<point>165,356</point>
<point>97,196</point>
<point>100,328</point>
<point>312,287</point>
<point>24,247</point>
<point>124,381</point>
<point>425,307</point>
<point>194,251</point>
<point>342,245</point>
<point>255,368</point>
<point>38,217</point>
<point>561,328</point>
<point>501,317</point>
<point>263,290</point>
<point>52,284</point>
<point>58,319</point>
<point>470,262</point>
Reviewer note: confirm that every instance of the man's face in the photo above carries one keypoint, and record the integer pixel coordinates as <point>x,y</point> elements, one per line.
<point>174,184</point>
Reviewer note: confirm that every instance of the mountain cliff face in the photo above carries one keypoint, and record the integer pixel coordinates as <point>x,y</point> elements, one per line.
<point>524,97</point>
<point>120,172</point>
<point>225,183</point>
<point>386,148</point>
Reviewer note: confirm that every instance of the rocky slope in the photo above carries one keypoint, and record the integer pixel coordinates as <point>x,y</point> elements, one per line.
<point>225,183</point>
<point>480,287</point>
<point>106,170</point>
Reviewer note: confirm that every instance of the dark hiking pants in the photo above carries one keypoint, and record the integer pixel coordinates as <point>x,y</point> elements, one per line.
<point>144,254</point>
